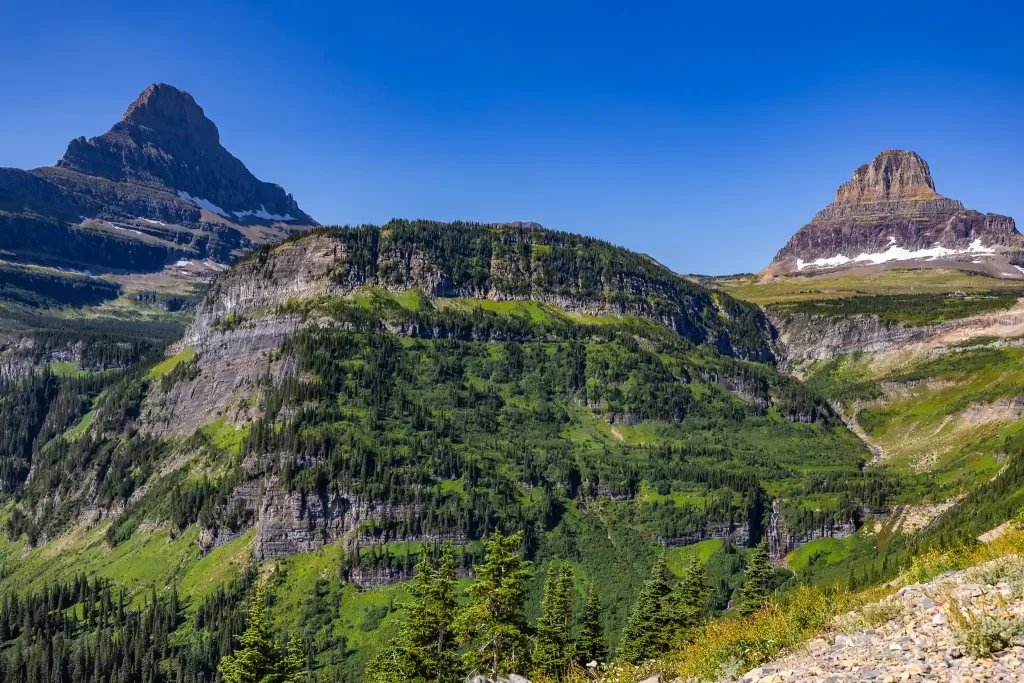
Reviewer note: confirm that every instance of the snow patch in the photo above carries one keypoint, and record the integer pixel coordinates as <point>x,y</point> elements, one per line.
<point>118,227</point>
<point>896,253</point>
<point>76,272</point>
<point>203,203</point>
<point>264,214</point>
<point>152,222</point>
<point>183,262</point>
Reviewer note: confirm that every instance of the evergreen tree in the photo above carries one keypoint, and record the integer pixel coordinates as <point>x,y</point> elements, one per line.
<point>551,653</point>
<point>293,666</point>
<point>425,648</point>
<point>644,635</point>
<point>684,606</point>
<point>493,623</point>
<point>260,660</point>
<point>755,589</point>
<point>590,642</point>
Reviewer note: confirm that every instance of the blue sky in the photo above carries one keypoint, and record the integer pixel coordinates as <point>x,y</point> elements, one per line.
<point>704,136</point>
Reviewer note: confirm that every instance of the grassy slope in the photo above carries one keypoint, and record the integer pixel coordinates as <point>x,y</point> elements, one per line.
<point>942,418</point>
<point>601,542</point>
<point>895,281</point>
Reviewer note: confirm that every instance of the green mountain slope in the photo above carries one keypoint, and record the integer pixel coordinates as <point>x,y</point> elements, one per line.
<point>350,394</point>
<point>924,365</point>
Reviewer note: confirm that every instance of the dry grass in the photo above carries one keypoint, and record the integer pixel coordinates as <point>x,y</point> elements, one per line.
<point>731,646</point>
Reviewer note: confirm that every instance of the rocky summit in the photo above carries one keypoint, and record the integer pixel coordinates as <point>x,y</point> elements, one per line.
<point>156,189</point>
<point>165,141</point>
<point>890,212</point>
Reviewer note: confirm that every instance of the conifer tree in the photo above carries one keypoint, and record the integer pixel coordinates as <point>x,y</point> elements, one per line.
<point>293,666</point>
<point>755,589</point>
<point>427,636</point>
<point>644,635</point>
<point>493,623</point>
<point>685,605</point>
<point>590,643</point>
<point>260,660</point>
<point>551,654</point>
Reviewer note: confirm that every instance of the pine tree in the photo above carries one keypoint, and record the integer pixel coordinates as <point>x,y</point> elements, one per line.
<point>590,642</point>
<point>685,605</point>
<point>425,648</point>
<point>755,589</point>
<point>493,622</point>
<point>260,660</point>
<point>554,628</point>
<point>293,666</point>
<point>644,635</point>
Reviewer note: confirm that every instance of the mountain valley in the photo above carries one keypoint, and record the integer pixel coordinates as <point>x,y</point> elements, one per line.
<point>208,399</point>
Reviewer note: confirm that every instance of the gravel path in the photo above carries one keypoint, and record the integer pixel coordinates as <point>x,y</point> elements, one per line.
<point>945,630</point>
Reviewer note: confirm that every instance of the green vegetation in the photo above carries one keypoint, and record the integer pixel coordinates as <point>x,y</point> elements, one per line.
<point>894,281</point>
<point>729,647</point>
<point>171,362</point>
<point>629,447</point>
<point>905,309</point>
<point>259,659</point>
<point>756,587</point>
<point>36,287</point>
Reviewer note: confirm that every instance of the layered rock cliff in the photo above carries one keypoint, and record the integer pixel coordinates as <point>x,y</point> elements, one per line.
<point>890,212</point>
<point>165,141</point>
<point>156,188</point>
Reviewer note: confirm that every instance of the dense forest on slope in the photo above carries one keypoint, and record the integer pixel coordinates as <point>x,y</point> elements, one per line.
<point>905,309</point>
<point>424,385</point>
<point>514,261</point>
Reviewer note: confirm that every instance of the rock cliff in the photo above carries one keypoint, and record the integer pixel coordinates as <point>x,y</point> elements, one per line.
<point>156,188</point>
<point>165,141</point>
<point>890,212</point>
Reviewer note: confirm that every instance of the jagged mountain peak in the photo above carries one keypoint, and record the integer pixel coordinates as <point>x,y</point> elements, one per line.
<point>893,174</point>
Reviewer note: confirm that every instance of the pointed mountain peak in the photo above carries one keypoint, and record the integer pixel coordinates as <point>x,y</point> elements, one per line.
<point>165,141</point>
<point>893,175</point>
<point>164,108</point>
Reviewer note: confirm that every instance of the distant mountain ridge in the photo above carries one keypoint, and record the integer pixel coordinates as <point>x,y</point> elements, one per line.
<point>890,212</point>
<point>156,188</point>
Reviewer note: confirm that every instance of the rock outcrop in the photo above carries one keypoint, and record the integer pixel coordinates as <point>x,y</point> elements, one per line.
<point>890,212</point>
<point>823,338</point>
<point>165,141</point>
<point>156,188</point>
<point>924,632</point>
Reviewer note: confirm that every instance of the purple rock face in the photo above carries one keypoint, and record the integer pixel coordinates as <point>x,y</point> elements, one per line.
<point>892,202</point>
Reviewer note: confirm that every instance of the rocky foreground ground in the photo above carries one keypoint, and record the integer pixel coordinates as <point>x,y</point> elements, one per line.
<point>961,627</point>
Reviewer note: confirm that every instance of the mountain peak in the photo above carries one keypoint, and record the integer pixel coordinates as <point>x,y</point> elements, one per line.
<point>165,141</point>
<point>889,212</point>
<point>893,175</point>
<point>164,108</point>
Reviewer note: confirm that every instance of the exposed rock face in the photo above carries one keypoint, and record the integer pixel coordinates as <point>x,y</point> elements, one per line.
<point>890,212</point>
<point>156,188</point>
<point>327,264</point>
<point>165,141</point>
<point>824,338</point>
<point>781,542</point>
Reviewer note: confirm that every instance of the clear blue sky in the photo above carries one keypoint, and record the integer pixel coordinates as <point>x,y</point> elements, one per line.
<point>704,134</point>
